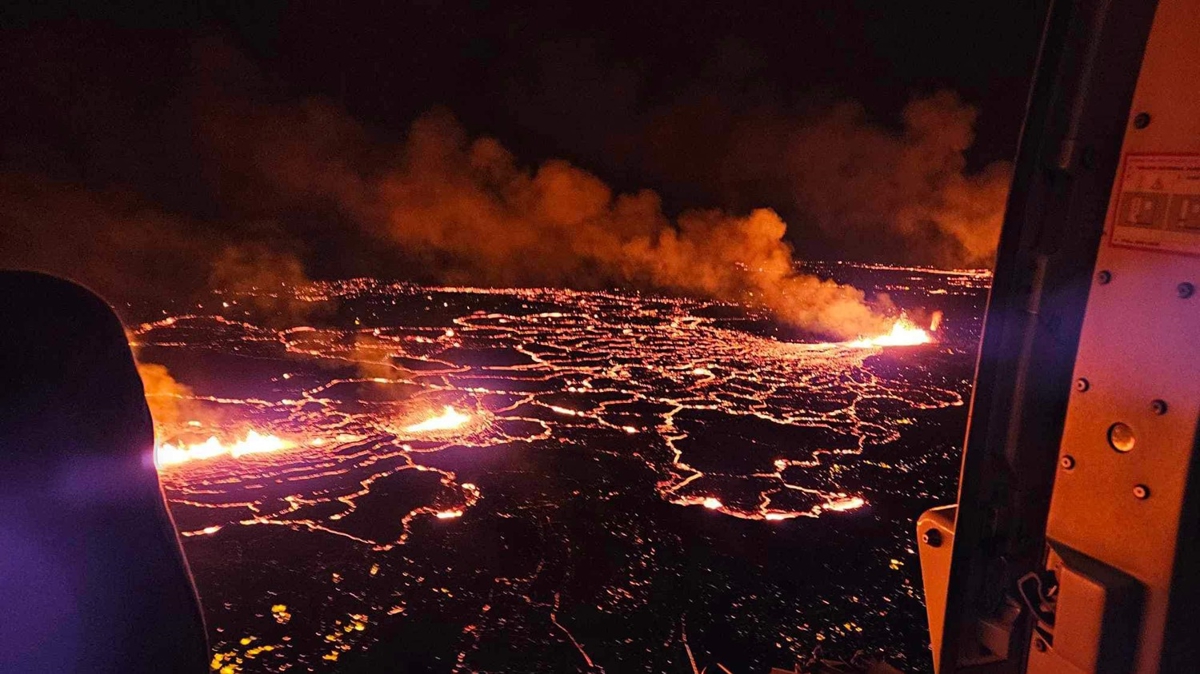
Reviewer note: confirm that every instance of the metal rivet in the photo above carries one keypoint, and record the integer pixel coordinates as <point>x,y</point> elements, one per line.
<point>1141,492</point>
<point>1121,437</point>
<point>1158,406</point>
<point>932,538</point>
<point>1141,120</point>
<point>1185,290</point>
<point>1104,277</point>
<point>1082,384</point>
<point>1067,462</point>
<point>1039,645</point>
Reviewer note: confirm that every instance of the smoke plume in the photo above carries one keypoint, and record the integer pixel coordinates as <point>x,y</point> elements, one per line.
<point>170,402</point>
<point>853,177</point>
<point>270,191</point>
<point>872,191</point>
<point>111,241</point>
<point>852,185</point>
<point>472,213</point>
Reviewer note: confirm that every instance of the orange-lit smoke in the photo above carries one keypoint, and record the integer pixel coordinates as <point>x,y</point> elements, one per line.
<point>173,453</point>
<point>474,214</point>
<point>562,225</point>
<point>302,187</point>
<point>856,185</point>
<point>264,276</point>
<point>110,241</point>
<point>169,401</point>
<point>178,416</point>
<point>855,178</point>
<point>865,187</point>
<point>127,249</point>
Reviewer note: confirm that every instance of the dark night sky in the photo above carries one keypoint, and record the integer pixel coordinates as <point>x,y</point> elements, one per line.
<point>643,94</point>
<point>393,60</point>
<point>490,61</point>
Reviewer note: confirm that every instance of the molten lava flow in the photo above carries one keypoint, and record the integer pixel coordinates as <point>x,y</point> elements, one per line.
<point>169,454</point>
<point>903,333</point>
<point>646,387</point>
<point>447,420</point>
<point>845,503</point>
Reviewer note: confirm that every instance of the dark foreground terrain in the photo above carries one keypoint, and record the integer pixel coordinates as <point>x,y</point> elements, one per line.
<point>457,479</point>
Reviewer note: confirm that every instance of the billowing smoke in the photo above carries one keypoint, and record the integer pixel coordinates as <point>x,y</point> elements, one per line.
<point>853,177</point>
<point>872,191</point>
<point>852,185</point>
<point>170,402</point>
<point>472,213</point>
<point>175,408</point>
<point>270,191</point>
<point>111,241</point>
<point>263,278</point>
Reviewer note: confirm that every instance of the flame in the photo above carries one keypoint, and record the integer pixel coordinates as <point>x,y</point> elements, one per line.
<point>449,514</point>
<point>845,503</point>
<point>170,454</point>
<point>206,531</point>
<point>447,420</point>
<point>903,333</point>
<point>711,503</point>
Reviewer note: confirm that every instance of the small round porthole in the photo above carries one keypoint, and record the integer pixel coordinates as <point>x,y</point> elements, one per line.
<point>1120,437</point>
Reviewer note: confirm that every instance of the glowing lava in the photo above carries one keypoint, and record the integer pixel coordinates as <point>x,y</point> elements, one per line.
<point>449,419</point>
<point>399,442</point>
<point>903,333</point>
<point>169,454</point>
<point>845,503</point>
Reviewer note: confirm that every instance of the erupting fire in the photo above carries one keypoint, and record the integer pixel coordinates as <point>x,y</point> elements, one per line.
<point>903,333</point>
<point>447,420</point>
<point>845,503</point>
<point>169,454</point>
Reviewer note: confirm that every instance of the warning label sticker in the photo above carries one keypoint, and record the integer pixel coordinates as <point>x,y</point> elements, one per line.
<point>1158,204</point>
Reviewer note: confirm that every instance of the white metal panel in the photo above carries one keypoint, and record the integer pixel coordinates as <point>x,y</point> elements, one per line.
<point>1141,339</point>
